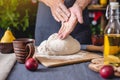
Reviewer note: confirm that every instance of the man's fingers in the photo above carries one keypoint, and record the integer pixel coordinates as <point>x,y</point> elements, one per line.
<point>64,35</point>
<point>65,10</point>
<point>59,16</point>
<point>62,14</point>
<point>67,27</point>
<point>79,16</point>
<point>65,31</point>
<point>61,28</point>
<point>55,17</point>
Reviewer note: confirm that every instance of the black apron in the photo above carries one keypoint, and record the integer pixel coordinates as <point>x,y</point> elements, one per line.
<point>46,25</point>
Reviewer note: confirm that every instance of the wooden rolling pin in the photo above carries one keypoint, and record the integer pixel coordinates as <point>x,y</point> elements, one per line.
<point>92,48</point>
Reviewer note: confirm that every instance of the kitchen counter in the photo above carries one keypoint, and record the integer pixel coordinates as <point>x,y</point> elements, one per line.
<point>70,72</point>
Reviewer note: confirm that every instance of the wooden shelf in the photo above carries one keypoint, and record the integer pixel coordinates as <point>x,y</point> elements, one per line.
<point>96,7</point>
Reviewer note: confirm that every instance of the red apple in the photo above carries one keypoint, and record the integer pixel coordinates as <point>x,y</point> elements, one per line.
<point>107,71</point>
<point>31,64</point>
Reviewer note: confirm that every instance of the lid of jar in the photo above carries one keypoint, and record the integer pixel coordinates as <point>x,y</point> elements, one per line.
<point>114,5</point>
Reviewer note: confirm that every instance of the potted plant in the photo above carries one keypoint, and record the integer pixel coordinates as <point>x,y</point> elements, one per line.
<point>11,15</point>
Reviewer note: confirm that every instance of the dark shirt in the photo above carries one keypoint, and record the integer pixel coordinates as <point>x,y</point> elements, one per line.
<point>69,3</point>
<point>46,25</point>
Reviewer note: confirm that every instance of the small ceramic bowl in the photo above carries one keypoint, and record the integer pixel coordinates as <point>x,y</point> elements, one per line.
<point>6,48</point>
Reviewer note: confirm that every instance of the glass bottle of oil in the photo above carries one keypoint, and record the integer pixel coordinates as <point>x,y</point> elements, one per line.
<point>112,35</point>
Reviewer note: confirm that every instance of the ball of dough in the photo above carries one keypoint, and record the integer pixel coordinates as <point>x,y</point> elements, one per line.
<point>63,47</point>
<point>56,46</point>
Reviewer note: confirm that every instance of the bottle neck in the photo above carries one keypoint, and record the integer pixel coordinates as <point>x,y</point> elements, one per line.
<point>114,15</point>
<point>114,18</point>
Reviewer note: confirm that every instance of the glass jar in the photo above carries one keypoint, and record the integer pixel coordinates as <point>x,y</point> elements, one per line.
<point>112,35</point>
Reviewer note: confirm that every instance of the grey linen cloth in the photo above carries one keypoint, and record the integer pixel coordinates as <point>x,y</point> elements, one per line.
<point>6,63</point>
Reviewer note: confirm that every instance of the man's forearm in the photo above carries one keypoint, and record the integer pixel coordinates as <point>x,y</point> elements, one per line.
<point>50,2</point>
<point>83,3</point>
<point>45,2</point>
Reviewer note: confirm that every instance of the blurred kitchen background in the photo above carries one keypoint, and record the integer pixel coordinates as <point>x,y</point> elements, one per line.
<point>20,16</point>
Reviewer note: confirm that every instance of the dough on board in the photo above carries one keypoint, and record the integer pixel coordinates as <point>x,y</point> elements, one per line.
<point>56,46</point>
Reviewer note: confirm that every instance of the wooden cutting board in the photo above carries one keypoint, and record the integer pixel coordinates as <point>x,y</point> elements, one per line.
<point>53,61</point>
<point>98,63</point>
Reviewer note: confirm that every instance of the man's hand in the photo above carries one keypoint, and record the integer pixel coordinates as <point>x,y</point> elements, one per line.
<point>68,26</point>
<point>77,11</point>
<point>58,9</point>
